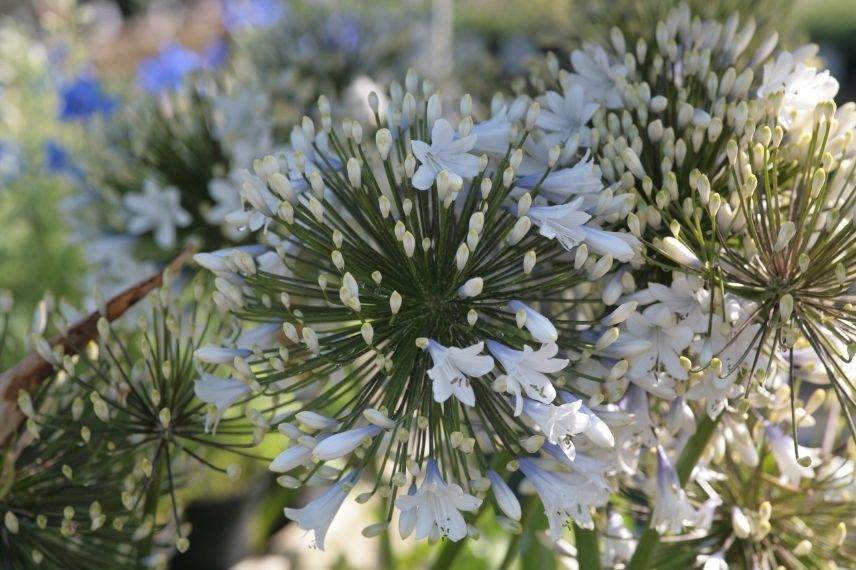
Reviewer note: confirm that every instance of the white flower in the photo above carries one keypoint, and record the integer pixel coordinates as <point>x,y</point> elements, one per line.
<point>803,87</point>
<point>437,506</point>
<point>451,368</point>
<point>157,210</point>
<point>294,456</point>
<point>560,493</point>
<point>618,543</point>
<point>317,515</point>
<point>565,115</point>
<point>505,497</point>
<point>785,455</point>
<point>560,185</point>
<point>221,392</point>
<point>597,76</point>
<point>687,298</point>
<point>715,561</point>
<point>525,371</point>
<point>537,324</point>
<point>566,223</point>
<point>343,443</point>
<point>657,324</point>
<point>559,423</point>
<point>227,199</point>
<point>672,509</point>
<point>444,153</point>
<point>680,253</point>
<point>596,430</point>
<point>493,136</point>
<point>219,354</point>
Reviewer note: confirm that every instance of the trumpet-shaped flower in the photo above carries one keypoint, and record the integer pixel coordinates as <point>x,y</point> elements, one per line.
<point>452,369</point>
<point>157,210</point>
<point>444,153</point>
<point>437,506</point>
<point>525,371</point>
<point>319,514</point>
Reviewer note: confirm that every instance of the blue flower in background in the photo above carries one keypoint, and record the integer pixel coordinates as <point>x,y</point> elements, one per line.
<point>166,71</point>
<point>240,14</point>
<point>58,160</point>
<point>343,32</point>
<point>215,54</point>
<point>82,98</point>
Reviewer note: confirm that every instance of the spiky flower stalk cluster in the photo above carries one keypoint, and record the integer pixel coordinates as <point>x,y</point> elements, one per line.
<point>398,261</point>
<point>110,438</point>
<point>744,202</point>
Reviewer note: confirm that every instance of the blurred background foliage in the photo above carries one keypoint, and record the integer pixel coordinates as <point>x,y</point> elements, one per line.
<point>37,254</point>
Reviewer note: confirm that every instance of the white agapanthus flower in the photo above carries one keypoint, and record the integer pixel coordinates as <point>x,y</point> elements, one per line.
<point>220,392</point>
<point>319,514</point>
<point>537,324</point>
<point>672,508</point>
<point>785,454</point>
<point>157,210</point>
<point>658,325</point>
<point>561,494</point>
<point>558,423</point>
<point>525,371</point>
<point>687,298</point>
<point>597,75</point>
<point>452,369</point>
<point>446,152</point>
<point>564,115</point>
<point>802,85</point>
<point>437,506</point>
<point>561,185</point>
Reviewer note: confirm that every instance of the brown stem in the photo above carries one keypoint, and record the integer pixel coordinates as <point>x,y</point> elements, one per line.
<point>29,372</point>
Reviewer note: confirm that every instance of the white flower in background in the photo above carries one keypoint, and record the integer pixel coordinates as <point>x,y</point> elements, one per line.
<point>597,76</point>
<point>785,454</point>
<point>658,325</point>
<point>715,388</point>
<point>803,87</point>
<point>453,366</point>
<point>437,506</point>
<point>219,354</point>
<point>319,514</point>
<point>525,371</point>
<point>687,298</point>
<point>565,115</point>
<point>560,493</point>
<point>444,153</point>
<point>594,470</point>
<point>537,324</point>
<point>618,544</point>
<point>566,223</point>
<point>226,198</point>
<point>558,423</point>
<point>493,136</point>
<point>157,210</point>
<point>561,185</point>
<point>672,509</point>
<point>221,392</point>
<point>720,342</point>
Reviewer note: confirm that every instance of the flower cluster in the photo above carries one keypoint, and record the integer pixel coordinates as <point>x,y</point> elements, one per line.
<point>423,298</point>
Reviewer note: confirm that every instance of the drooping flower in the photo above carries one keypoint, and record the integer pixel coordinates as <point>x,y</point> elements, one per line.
<point>437,506</point>
<point>219,392</point>
<point>319,514</point>
<point>672,508</point>
<point>657,325</point>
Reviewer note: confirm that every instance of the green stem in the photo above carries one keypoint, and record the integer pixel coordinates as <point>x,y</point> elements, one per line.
<point>588,552</point>
<point>696,445</point>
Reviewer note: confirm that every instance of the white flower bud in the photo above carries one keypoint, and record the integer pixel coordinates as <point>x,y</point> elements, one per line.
<point>368,333</point>
<point>529,261</point>
<point>519,231</point>
<point>472,288</point>
<point>383,140</point>
<point>395,302</point>
<point>461,257</point>
<point>409,243</point>
<point>354,173</point>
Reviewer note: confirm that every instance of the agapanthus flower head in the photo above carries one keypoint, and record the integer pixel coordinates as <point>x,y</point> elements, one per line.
<point>399,264</point>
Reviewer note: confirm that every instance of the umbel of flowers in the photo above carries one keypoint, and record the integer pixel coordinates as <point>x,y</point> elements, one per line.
<point>423,293</point>
<point>109,440</point>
